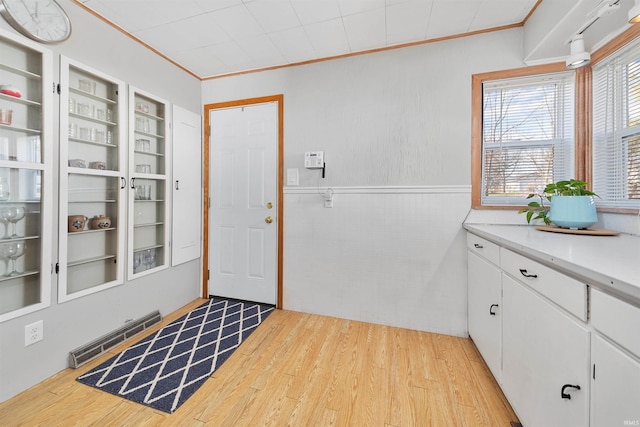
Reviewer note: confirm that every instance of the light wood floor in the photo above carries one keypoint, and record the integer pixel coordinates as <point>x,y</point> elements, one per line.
<point>299,370</point>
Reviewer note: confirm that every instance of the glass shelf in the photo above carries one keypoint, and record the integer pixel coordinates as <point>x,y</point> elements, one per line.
<point>18,239</point>
<point>89,231</point>
<point>21,129</point>
<point>24,101</point>
<point>146,248</point>
<point>148,224</point>
<point>152,135</point>
<point>90,260</point>
<point>20,72</point>
<point>92,96</point>
<point>19,275</point>
<point>148,153</point>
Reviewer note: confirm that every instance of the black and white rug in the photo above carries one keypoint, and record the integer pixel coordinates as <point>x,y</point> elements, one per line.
<point>166,368</point>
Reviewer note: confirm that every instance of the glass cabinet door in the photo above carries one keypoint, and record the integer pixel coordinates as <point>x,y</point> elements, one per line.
<point>26,191</point>
<point>148,184</point>
<point>92,181</point>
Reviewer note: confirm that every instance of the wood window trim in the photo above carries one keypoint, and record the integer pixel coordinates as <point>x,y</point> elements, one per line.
<point>476,122</point>
<point>583,120</point>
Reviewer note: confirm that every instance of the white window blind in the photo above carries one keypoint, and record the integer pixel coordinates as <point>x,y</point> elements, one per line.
<point>527,136</point>
<point>616,129</point>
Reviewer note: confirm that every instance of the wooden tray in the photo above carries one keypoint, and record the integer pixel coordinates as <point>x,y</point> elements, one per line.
<point>587,231</point>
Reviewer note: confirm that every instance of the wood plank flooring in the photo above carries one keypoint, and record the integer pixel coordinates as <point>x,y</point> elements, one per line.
<point>299,369</point>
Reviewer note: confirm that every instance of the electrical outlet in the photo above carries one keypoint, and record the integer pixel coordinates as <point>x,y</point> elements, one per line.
<point>33,333</point>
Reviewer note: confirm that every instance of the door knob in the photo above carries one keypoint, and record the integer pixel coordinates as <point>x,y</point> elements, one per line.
<point>269,205</point>
<point>268,220</point>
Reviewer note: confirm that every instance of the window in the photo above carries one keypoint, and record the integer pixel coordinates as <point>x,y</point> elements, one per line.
<point>527,135</point>
<point>616,129</point>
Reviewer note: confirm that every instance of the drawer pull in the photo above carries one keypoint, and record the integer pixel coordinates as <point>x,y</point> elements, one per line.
<point>524,273</point>
<point>566,395</point>
<point>477,246</point>
<point>491,312</point>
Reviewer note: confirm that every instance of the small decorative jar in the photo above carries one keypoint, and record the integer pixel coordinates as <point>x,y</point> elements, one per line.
<point>100,222</point>
<point>77,223</point>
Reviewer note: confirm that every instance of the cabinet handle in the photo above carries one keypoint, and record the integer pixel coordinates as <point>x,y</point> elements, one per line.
<point>124,182</point>
<point>491,312</point>
<point>566,395</point>
<point>133,183</point>
<point>177,187</point>
<point>524,273</point>
<point>477,246</point>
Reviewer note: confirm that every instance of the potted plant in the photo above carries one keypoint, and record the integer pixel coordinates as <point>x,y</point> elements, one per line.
<point>571,205</point>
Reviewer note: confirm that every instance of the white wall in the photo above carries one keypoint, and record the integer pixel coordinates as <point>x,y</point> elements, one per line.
<point>69,325</point>
<point>395,127</point>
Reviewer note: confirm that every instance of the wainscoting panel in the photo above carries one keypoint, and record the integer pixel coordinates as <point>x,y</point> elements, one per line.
<point>388,255</point>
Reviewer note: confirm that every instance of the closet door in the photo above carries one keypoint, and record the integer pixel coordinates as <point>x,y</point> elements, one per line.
<point>186,230</point>
<point>92,180</point>
<point>26,190</point>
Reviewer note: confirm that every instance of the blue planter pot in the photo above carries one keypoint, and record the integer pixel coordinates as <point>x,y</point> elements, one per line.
<point>573,211</point>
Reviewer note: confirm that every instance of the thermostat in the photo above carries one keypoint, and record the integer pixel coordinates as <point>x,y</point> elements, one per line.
<point>314,159</point>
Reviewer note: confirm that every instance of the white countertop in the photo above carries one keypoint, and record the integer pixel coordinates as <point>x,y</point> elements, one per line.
<point>607,262</point>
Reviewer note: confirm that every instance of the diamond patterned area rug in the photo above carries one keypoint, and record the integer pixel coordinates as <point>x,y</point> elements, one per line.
<point>165,369</point>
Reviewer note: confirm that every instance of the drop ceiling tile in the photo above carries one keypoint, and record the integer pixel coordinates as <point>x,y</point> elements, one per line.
<point>351,7</point>
<point>407,21</point>
<point>262,51</point>
<point>450,17</point>
<point>211,5</point>
<point>328,38</point>
<point>237,21</point>
<point>201,62</point>
<point>311,12</point>
<point>496,13</point>
<point>366,30</point>
<point>274,15</point>
<point>294,45</point>
<point>232,56</point>
<point>238,35</point>
<point>197,31</point>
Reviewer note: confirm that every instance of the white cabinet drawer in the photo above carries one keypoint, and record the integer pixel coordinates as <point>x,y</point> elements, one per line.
<point>484,248</point>
<point>616,319</point>
<point>565,291</point>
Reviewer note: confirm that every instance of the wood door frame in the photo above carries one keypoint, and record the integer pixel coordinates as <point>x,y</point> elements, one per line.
<point>279,99</point>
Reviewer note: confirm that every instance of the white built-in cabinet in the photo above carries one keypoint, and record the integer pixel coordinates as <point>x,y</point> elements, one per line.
<point>26,176</point>
<point>114,180</point>
<point>615,358</point>
<point>564,353</point>
<point>149,183</point>
<point>485,301</point>
<point>545,371</point>
<point>93,149</point>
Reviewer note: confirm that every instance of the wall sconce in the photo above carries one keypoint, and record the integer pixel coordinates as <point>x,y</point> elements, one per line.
<point>634,13</point>
<point>578,57</point>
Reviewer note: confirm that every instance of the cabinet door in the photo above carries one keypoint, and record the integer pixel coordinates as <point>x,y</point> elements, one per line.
<point>92,180</point>
<point>544,352</point>
<point>484,308</point>
<point>186,235</point>
<point>149,154</point>
<point>615,385</point>
<point>26,191</point>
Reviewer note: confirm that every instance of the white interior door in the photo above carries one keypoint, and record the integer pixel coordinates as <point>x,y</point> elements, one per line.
<point>243,213</point>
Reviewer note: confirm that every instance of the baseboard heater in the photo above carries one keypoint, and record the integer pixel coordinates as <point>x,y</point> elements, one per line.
<point>85,353</point>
